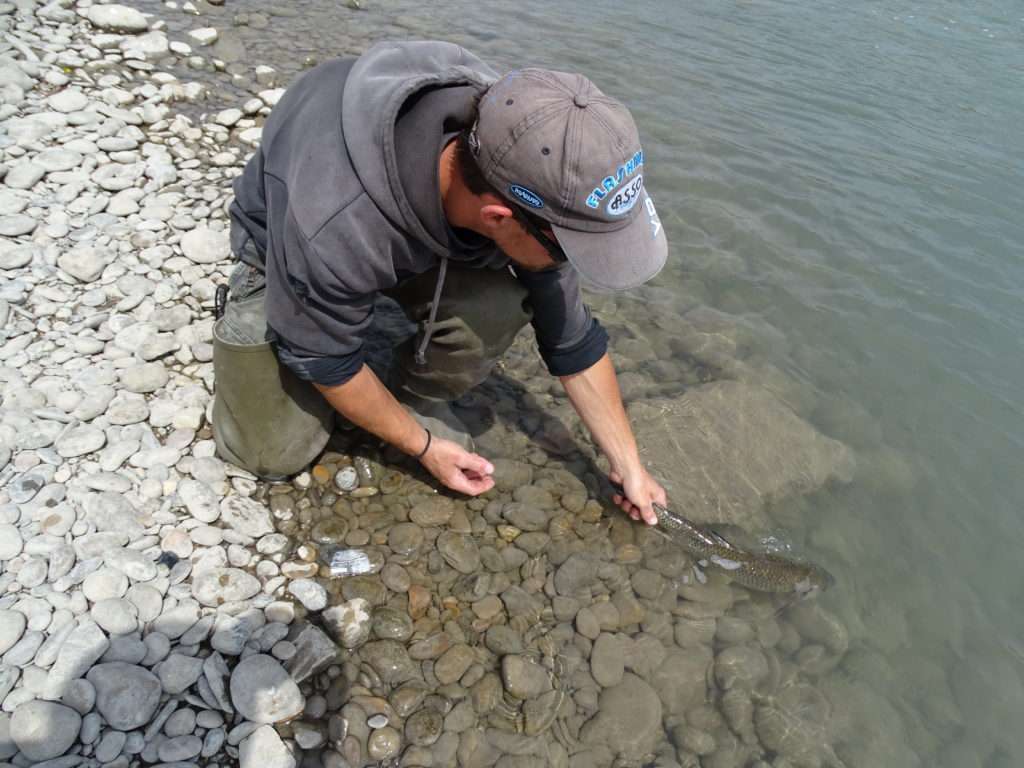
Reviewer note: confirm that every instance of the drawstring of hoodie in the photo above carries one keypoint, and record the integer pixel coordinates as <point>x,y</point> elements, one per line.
<point>421,353</point>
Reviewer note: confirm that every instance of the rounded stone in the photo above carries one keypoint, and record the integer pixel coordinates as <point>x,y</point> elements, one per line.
<point>12,627</point>
<point>116,616</point>
<point>224,585</point>
<point>424,727</point>
<point>607,663</point>
<point>389,624</point>
<point>43,730</point>
<point>453,664</point>
<point>384,743</point>
<point>126,695</point>
<point>263,692</point>
<point>349,623</point>
<point>310,593</point>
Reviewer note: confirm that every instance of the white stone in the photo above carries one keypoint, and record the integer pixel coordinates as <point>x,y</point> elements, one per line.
<point>144,378</point>
<point>83,263</point>
<point>246,516</point>
<point>78,653</point>
<point>199,499</point>
<point>10,541</point>
<point>58,159</point>
<point>204,36</point>
<point>132,563</point>
<point>228,117</point>
<point>263,748</point>
<point>115,615</point>
<point>224,585</point>
<point>263,692</point>
<point>310,593</point>
<point>17,225</point>
<point>117,18</point>
<point>203,245</point>
<point>80,441</point>
<point>12,626</point>
<point>68,100</point>
<point>24,175</point>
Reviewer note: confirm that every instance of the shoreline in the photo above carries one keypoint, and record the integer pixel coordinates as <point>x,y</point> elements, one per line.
<point>162,607</point>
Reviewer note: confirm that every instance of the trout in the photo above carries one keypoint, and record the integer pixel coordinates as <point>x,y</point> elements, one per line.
<point>762,571</point>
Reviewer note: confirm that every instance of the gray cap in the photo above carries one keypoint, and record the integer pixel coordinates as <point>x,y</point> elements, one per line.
<point>561,149</point>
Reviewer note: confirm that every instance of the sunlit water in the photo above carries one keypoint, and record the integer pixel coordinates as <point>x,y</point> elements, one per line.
<point>843,180</point>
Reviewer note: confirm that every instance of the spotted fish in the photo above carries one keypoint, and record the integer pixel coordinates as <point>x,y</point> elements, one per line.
<point>762,571</point>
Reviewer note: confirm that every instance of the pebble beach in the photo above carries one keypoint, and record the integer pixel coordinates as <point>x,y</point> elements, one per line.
<point>159,606</point>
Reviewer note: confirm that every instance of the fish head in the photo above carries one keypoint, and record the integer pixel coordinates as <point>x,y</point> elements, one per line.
<point>817,580</point>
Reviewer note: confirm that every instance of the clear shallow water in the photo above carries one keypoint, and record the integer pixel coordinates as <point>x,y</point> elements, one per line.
<point>843,181</point>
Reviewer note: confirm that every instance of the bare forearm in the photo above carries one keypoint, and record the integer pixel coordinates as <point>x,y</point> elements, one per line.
<point>367,403</point>
<point>595,395</point>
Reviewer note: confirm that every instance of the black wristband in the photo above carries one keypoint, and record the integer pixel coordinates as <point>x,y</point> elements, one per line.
<point>423,453</point>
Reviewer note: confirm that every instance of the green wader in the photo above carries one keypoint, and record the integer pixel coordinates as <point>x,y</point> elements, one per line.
<point>268,421</point>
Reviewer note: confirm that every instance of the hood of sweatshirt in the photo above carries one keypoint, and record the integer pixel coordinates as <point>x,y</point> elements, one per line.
<point>381,83</point>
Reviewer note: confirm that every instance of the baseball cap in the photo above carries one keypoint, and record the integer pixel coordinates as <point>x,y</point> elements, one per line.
<point>558,147</point>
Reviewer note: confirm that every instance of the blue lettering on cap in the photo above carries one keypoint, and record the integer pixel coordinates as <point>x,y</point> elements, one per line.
<point>527,196</point>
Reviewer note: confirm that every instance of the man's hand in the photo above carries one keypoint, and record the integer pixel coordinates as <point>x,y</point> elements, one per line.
<point>641,490</point>
<point>457,468</point>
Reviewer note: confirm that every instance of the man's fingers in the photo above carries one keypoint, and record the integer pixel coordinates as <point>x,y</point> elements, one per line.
<point>476,463</point>
<point>469,485</point>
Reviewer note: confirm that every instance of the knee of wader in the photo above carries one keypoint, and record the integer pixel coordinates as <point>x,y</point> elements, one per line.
<point>492,311</point>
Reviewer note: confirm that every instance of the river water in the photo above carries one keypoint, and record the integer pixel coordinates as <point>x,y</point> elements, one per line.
<point>841,182</point>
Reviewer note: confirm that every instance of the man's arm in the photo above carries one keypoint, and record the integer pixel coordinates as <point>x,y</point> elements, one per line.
<point>594,393</point>
<point>367,403</point>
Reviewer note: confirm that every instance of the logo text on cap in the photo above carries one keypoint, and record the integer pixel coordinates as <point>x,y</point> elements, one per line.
<point>608,183</point>
<point>527,196</point>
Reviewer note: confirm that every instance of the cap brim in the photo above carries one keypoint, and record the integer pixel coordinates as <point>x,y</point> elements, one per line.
<point>617,261</point>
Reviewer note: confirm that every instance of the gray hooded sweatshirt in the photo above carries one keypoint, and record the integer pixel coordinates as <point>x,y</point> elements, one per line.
<point>342,201</point>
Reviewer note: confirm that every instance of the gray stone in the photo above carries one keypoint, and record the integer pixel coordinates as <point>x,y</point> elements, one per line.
<point>314,651</point>
<point>628,720</point>
<point>224,585</point>
<point>607,662</point>
<point>263,692</point>
<point>390,660</point>
<point>183,721</point>
<point>80,441</point>
<point>24,651</point>
<point>44,730</point>
<point>179,748</point>
<point>263,748</point>
<point>126,695</point>
<point>110,746</point>
<point>80,696</point>
<point>178,673</point>
<point>453,664</point>
<point>523,678</point>
<point>715,472</point>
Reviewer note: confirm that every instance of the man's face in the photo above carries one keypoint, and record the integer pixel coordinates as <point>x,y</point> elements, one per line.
<point>521,245</point>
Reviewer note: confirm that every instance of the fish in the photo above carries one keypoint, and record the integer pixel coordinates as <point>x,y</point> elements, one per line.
<point>760,571</point>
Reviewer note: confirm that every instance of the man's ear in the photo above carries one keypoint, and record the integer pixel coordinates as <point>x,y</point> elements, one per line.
<point>494,216</point>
